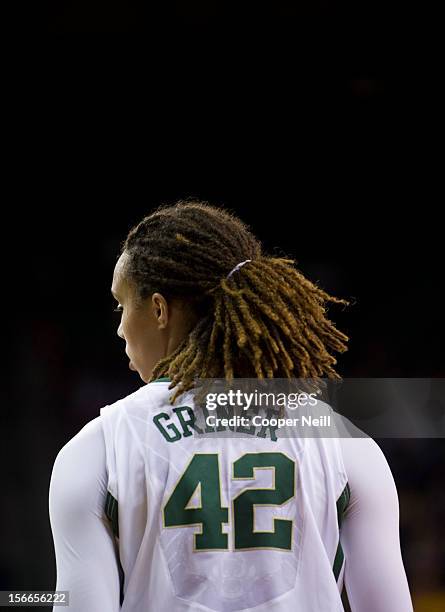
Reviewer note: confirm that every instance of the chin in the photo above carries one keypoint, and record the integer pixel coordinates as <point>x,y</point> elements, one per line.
<point>145,379</point>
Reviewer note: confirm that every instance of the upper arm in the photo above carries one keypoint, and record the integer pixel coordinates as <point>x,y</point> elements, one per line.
<point>86,560</point>
<point>375,578</point>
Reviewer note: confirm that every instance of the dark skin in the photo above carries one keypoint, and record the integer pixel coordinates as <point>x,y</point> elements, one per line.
<point>153,328</point>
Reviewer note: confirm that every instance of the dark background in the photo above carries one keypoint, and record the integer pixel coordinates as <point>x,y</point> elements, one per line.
<point>136,16</point>
<point>335,170</point>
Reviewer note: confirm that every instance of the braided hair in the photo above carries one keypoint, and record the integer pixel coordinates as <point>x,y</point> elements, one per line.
<point>265,320</point>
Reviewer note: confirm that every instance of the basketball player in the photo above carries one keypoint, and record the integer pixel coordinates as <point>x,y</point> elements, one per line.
<point>149,516</point>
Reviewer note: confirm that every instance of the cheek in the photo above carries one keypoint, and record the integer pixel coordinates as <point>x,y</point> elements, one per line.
<point>137,334</point>
<point>128,330</point>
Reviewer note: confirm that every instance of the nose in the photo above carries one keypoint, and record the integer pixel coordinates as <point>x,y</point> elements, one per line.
<point>119,332</point>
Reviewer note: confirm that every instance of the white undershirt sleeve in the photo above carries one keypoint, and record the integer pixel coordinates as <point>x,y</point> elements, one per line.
<point>375,578</point>
<point>86,558</point>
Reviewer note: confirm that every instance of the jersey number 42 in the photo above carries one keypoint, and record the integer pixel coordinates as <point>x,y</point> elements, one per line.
<point>201,481</point>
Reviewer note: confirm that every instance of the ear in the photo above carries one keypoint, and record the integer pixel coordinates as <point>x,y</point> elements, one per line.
<point>160,310</point>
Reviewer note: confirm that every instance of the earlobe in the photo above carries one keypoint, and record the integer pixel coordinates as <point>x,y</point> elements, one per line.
<point>161,319</point>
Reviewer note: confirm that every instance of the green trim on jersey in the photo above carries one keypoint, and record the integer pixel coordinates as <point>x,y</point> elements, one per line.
<point>342,504</point>
<point>345,600</point>
<point>112,514</point>
<point>162,379</point>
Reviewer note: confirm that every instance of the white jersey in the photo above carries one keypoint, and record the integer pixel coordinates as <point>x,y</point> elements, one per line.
<point>219,523</point>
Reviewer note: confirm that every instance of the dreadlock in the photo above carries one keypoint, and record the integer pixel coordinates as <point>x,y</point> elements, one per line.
<point>267,320</point>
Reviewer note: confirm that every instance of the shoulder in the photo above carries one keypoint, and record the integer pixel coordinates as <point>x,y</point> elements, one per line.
<point>86,443</point>
<point>362,454</point>
<point>358,449</point>
<point>79,474</point>
<point>148,395</point>
<point>369,476</point>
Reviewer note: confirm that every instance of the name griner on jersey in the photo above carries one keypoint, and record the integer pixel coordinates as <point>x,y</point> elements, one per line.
<point>187,422</point>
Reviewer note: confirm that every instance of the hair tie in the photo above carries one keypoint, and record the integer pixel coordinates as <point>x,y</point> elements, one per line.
<point>237,267</point>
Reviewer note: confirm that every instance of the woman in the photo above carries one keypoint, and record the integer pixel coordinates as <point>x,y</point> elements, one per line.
<point>148,514</point>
